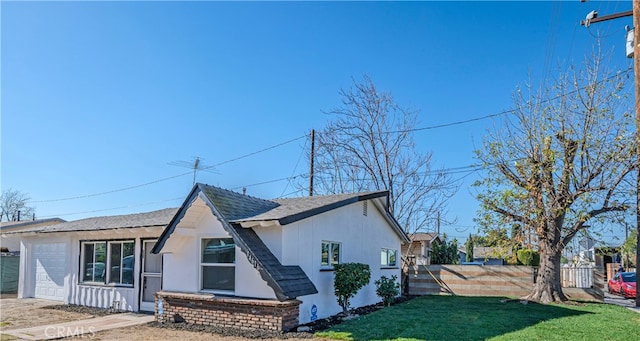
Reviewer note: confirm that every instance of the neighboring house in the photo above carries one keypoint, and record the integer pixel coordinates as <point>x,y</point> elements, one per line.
<point>462,255</point>
<point>103,262</point>
<point>12,241</point>
<point>419,250</point>
<point>235,260</point>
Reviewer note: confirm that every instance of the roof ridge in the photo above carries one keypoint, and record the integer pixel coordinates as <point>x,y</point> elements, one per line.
<point>235,193</point>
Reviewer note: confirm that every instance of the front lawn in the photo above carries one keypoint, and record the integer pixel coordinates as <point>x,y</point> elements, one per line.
<point>487,318</point>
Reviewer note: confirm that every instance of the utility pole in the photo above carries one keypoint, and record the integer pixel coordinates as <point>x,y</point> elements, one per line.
<point>313,145</point>
<point>636,70</point>
<point>593,18</point>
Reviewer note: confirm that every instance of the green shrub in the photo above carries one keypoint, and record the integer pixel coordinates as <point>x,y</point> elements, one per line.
<point>387,289</point>
<point>349,279</point>
<point>528,257</point>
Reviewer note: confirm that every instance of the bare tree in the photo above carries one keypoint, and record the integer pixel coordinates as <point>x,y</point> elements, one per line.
<point>14,207</point>
<point>561,160</point>
<point>369,146</point>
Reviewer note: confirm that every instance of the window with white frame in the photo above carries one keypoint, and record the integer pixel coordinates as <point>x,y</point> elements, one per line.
<point>330,254</point>
<point>107,262</point>
<point>218,264</point>
<point>388,257</point>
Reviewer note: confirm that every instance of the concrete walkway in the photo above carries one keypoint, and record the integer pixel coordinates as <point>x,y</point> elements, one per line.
<point>86,327</point>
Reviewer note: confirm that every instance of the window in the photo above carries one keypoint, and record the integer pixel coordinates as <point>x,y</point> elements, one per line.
<point>121,263</point>
<point>388,257</point>
<point>218,264</point>
<point>98,256</point>
<point>330,254</point>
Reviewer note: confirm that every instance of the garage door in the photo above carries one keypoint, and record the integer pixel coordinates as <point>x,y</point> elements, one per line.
<point>50,265</point>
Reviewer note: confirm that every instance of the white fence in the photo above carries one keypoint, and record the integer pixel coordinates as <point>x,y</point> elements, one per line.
<point>577,277</point>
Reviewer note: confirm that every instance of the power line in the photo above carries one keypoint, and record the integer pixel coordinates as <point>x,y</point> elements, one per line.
<point>269,181</point>
<point>112,191</point>
<point>167,178</point>
<point>453,170</point>
<point>257,152</point>
<point>306,135</point>
<point>112,208</point>
<point>510,111</point>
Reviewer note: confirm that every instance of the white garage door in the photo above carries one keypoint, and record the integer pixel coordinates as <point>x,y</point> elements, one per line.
<point>50,265</point>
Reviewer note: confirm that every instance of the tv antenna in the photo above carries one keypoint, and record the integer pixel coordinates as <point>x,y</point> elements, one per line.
<point>196,164</point>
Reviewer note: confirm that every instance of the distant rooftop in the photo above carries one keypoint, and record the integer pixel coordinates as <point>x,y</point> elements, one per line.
<point>147,219</point>
<point>6,226</point>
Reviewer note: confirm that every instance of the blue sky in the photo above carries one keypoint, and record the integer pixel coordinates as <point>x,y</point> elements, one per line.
<point>101,96</point>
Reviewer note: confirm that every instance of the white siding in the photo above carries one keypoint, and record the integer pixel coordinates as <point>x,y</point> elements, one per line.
<point>181,270</point>
<point>101,296</point>
<point>362,238</point>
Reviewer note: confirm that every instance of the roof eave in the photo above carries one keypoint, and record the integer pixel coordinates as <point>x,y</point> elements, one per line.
<point>176,218</point>
<point>322,209</point>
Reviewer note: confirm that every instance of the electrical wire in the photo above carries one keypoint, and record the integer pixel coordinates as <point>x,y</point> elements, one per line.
<point>510,111</point>
<point>304,136</point>
<point>111,209</point>
<point>164,179</point>
<point>112,191</point>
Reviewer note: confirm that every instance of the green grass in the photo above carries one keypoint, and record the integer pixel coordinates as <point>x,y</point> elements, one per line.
<point>487,318</point>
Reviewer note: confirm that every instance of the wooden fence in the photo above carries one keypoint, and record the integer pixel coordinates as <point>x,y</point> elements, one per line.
<point>488,280</point>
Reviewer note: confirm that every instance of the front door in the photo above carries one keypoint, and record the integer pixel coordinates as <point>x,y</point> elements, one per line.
<point>151,276</point>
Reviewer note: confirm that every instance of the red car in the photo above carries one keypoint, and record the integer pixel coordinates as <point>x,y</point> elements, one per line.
<point>623,283</point>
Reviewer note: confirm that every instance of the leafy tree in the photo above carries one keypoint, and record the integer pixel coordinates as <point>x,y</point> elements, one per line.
<point>387,289</point>
<point>560,160</point>
<point>629,247</point>
<point>528,257</point>
<point>369,146</point>
<point>469,245</point>
<point>14,207</point>
<point>349,279</point>
<point>444,252</point>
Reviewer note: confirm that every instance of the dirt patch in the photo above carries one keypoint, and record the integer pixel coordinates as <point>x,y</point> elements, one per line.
<point>31,312</point>
<point>73,308</point>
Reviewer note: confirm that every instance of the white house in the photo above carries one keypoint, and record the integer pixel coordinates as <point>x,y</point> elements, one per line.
<point>101,262</point>
<point>231,259</point>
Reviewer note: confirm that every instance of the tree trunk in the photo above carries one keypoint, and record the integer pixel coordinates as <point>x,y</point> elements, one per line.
<point>547,287</point>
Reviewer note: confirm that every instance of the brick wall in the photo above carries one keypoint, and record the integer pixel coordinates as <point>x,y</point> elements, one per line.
<point>226,311</point>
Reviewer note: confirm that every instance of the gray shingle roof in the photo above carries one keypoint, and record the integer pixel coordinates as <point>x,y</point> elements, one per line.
<point>235,206</point>
<point>147,219</point>
<point>421,236</point>
<point>290,210</point>
<point>5,226</point>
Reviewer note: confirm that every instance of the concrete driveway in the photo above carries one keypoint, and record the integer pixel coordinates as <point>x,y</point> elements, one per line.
<point>621,301</point>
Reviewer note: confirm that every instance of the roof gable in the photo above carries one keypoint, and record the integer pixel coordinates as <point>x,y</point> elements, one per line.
<point>233,210</point>
<point>287,282</point>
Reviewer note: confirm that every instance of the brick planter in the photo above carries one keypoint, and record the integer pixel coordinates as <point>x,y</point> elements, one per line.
<point>209,310</point>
